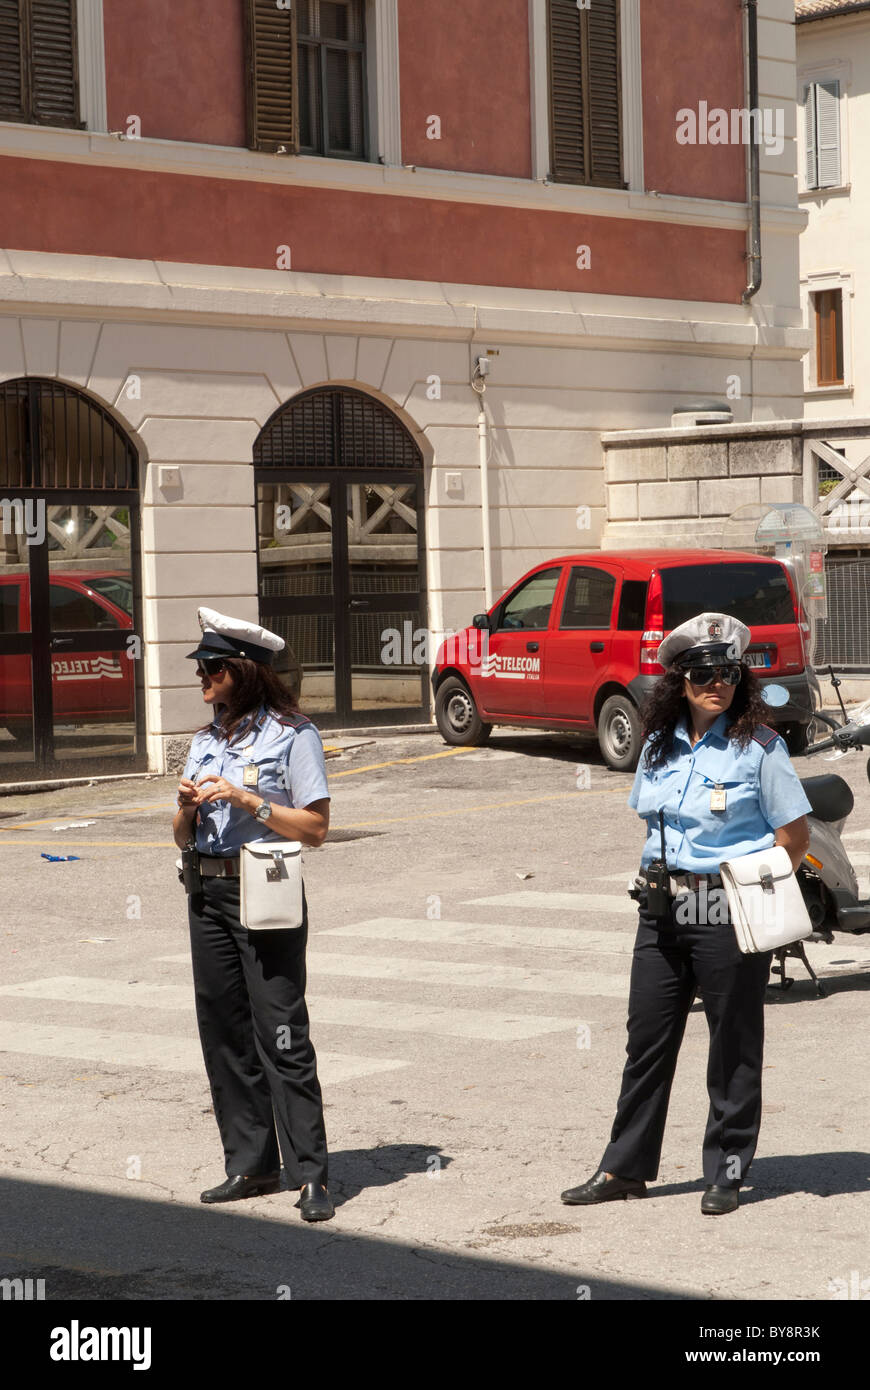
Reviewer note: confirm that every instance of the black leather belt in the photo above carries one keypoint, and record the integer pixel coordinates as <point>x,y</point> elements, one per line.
<point>219,866</point>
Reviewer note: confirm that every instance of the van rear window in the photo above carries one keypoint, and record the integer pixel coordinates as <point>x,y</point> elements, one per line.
<point>758,595</point>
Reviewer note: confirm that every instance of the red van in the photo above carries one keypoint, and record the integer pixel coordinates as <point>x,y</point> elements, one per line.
<point>572,645</point>
<point>88,687</point>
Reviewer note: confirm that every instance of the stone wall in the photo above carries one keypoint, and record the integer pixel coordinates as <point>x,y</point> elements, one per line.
<point>676,488</point>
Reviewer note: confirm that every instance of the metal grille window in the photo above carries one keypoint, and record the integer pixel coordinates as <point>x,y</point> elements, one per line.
<point>585,93</point>
<point>39,62</point>
<point>51,436</point>
<point>336,427</point>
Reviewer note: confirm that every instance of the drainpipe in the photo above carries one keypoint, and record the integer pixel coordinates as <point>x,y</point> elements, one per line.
<point>754,155</point>
<point>481,371</point>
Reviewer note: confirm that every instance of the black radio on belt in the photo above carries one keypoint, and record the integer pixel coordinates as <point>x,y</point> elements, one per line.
<point>658,898</point>
<point>190,873</point>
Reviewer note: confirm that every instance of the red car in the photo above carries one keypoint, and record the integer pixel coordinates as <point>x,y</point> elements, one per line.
<point>87,686</point>
<point>572,645</point>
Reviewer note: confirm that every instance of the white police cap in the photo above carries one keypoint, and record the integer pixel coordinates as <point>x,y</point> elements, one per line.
<point>224,636</point>
<point>704,640</point>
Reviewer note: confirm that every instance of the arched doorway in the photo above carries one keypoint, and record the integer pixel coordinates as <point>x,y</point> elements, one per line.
<point>341,552</point>
<point>70,625</point>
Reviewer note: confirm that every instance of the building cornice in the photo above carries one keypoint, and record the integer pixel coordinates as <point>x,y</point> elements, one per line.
<point>47,285</point>
<point>409,181</point>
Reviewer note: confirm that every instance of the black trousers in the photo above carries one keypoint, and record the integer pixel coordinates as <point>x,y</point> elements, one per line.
<point>253,1026</point>
<point>670,958</point>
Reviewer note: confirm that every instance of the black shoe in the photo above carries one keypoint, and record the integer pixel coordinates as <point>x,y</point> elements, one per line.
<point>315,1202</point>
<point>235,1188</point>
<point>716,1201</point>
<point>603,1189</point>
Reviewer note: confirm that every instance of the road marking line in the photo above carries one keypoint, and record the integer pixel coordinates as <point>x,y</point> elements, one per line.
<point>531,900</point>
<point>171,805</point>
<point>495,1025</point>
<point>396,762</point>
<point>60,840</point>
<point>466,974</point>
<point>350,825</point>
<point>620,943</point>
<point>457,974</point>
<point>94,815</point>
<point>490,1025</point>
<point>483,806</point>
<point>157,1051</point>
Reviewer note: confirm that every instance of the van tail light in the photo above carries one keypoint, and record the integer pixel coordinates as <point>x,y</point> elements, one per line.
<point>649,645</point>
<point>654,623</point>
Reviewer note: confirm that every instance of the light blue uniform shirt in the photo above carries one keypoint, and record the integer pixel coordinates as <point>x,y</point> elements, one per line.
<point>762,792</point>
<point>292,772</point>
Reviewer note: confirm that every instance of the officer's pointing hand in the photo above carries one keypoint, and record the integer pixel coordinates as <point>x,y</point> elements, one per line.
<point>224,791</point>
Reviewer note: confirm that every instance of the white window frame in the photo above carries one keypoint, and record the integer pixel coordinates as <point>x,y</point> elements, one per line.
<point>630,83</point>
<point>92,64</point>
<point>839,70</point>
<point>842,280</point>
<point>382,81</point>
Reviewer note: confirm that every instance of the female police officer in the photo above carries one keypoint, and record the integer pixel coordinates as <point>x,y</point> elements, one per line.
<point>256,772</point>
<point>726,787</point>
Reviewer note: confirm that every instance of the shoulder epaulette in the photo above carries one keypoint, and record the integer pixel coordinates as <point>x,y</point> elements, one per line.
<point>293,721</point>
<point>764,735</point>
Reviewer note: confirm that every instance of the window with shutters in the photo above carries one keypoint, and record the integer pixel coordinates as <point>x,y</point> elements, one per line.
<point>585,94</point>
<point>828,311</point>
<point>822,129</point>
<point>306,71</point>
<point>39,62</point>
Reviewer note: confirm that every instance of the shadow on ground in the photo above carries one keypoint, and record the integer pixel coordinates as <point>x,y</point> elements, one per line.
<point>90,1245</point>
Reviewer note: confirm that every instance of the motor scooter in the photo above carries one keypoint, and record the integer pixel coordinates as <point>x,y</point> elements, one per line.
<point>827,878</point>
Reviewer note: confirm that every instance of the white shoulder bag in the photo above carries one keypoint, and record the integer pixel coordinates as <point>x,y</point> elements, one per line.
<point>271,885</point>
<point>765,900</point>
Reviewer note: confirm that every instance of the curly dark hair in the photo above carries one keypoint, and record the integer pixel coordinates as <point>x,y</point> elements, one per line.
<point>666,702</point>
<point>254,684</point>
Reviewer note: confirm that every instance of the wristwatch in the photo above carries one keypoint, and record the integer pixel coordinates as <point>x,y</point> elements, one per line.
<point>263,811</point>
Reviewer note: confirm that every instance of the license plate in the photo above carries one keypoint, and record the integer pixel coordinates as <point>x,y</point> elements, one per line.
<point>759,658</point>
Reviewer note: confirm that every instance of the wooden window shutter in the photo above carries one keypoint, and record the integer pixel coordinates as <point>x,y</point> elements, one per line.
<point>585,93</point>
<point>53,62</point>
<point>810,135</point>
<point>39,62</point>
<point>270,61</point>
<point>12,68</point>
<point>822,112</point>
<point>828,133</point>
<point>829,337</point>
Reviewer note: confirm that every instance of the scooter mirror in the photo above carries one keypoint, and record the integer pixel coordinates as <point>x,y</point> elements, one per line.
<point>775,695</point>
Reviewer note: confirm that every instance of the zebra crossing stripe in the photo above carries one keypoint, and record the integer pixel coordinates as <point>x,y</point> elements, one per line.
<point>494,1025</point>
<point>467,974</point>
<point>457,974</point>
<point>560,902</point>
<point>619,943</point>
<point>489,1025</point>
<point>157,1051</point>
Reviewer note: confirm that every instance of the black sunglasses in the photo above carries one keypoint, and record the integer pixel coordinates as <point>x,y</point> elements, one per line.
<point>210,666</point>
<point>706,675</point>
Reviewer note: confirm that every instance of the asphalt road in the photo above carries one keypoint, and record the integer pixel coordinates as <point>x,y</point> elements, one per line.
<point>468,971</point>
